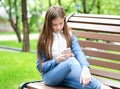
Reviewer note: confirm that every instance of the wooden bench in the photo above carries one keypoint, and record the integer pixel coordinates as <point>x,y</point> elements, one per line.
<point>99,37</point>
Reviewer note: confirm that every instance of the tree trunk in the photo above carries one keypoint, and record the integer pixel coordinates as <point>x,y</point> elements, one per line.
<point>98,6</point>
<point>16,29</point>
<point>16,24</point>
<point>84,6</point>
<point>26,45</point>
<point>49,3</point>
<point>91,7</point>
<point>59,2</point>
<point>85,10</point>
<point>13,24</point>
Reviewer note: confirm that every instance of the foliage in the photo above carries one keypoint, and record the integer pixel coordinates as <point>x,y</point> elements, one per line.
<point>33,26</point>
<point>36,9</point>
<point>17,68</point>
<point>110,7</point>
<point>106,7</point>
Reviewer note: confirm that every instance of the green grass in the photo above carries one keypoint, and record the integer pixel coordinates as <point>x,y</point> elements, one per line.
<point>15,44</point>
<point>7,33</point>
<point>11,43</point>
<point>16,68</point>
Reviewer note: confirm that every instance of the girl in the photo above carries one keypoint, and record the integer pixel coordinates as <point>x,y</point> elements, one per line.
<point>57,65</point>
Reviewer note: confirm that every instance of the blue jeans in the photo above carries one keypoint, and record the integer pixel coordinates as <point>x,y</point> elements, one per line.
<point>68,73</point>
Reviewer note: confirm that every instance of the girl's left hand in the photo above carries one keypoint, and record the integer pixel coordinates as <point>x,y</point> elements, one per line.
<point>85,76</point>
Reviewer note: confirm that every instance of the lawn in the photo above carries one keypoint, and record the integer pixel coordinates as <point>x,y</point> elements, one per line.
<point>15,44</point>
<point>16,68</point>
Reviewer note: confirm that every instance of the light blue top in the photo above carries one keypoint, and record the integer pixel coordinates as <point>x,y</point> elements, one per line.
<point>78,54</point>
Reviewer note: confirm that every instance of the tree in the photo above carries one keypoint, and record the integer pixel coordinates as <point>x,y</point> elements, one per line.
<point>49,3</point>
<point>85,10</point>
<point>59,2</point>
<point>98,6</point>
<point>26,45</point>
<point>13,22</point>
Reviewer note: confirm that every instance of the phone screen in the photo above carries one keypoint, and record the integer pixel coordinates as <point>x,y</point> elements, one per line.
<point>68,50</point>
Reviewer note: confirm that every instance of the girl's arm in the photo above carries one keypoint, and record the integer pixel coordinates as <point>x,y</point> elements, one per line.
<point>78,53</point>
<point>47,65</point>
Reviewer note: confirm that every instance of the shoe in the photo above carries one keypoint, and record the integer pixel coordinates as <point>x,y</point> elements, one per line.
<point>103,86</point>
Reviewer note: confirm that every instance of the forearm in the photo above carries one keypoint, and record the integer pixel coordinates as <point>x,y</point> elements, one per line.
<point>78,53</point>
<point>48,65</point>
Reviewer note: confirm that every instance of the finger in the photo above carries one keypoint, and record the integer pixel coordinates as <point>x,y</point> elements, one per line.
<point>81,79</point>
<point>84,82</point>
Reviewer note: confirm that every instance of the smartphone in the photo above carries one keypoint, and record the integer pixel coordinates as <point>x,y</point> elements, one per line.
<point>67,50</point>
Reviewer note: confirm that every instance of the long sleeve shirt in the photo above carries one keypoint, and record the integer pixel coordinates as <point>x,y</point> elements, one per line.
<point>58,46</point>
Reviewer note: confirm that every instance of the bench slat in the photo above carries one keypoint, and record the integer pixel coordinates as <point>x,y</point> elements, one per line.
<point>96,28</point>
<point>104,46</point>
<point>97,53</point>
<point>98,36</point>
<point>97,16</point>
<point>109,82</point>
<point>104,64</point>
<point>107,74</point>
<point>95,21</point>
<point>105,81</point>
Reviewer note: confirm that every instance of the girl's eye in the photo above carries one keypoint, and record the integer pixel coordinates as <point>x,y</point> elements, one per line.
<point>54,24</point>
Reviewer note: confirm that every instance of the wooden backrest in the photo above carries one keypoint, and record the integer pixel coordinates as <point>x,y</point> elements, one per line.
<point>99,37</point>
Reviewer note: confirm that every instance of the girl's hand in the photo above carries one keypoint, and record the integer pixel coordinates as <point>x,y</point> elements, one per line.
<point>68,52</point>
<point>85,76</point>
<point>64,55</point>
<point>61,57</point>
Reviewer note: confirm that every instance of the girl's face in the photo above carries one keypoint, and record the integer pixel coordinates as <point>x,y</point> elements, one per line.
<point>57,24</point>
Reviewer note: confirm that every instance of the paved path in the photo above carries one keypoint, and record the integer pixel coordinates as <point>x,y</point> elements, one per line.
<point>14,37</point>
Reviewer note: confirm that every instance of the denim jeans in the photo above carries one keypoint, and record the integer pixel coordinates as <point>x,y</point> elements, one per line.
<point>68,73</point>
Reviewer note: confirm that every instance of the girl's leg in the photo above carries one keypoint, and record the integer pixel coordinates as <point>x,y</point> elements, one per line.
<point>94,84</point>
<point>70,72</point>
<point>55,76</point>
<point>73,78</point>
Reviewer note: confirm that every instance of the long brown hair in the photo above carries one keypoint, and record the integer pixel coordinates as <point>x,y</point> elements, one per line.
<point>46,37</point>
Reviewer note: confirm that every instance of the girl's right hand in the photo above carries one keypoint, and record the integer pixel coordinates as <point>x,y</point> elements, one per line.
<point>61,57</point>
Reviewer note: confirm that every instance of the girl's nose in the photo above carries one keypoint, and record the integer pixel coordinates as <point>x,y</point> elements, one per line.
<point>58,27</point>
